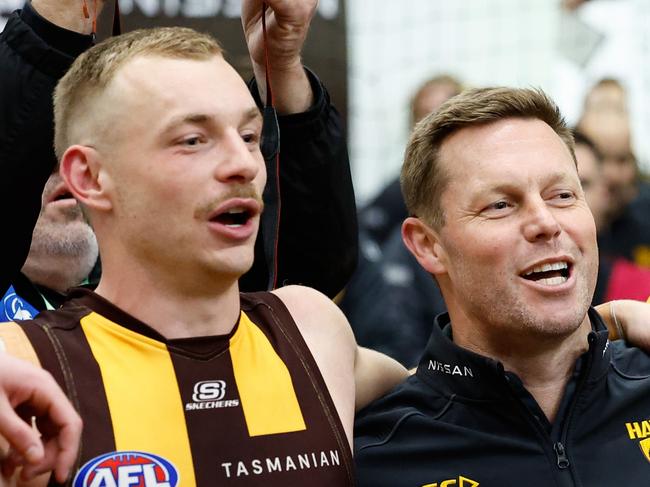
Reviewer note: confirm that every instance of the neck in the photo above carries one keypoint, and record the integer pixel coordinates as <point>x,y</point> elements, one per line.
<point>544,363</point>
<point>204,307</point>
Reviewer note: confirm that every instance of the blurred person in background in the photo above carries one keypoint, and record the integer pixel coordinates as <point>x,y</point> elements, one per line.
<point>626,231</point>
<point>62,254</point>
<point>618,277</point>
<point>391,301</point>
<point>387,210</point>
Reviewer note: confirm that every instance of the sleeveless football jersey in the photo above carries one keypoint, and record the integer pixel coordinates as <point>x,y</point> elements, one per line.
<point>245,409</point>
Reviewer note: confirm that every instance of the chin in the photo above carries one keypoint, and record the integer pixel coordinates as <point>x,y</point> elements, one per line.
<point>562,323</point>
<point>236,267</point>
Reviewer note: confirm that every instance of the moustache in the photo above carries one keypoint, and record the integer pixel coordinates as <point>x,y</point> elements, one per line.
<point>247,192</point>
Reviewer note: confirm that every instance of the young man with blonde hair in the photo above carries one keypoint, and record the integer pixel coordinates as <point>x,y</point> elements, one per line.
<point>519,382</point>
<point>179,378</point>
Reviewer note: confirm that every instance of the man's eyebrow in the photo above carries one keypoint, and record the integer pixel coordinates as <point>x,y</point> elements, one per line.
<point>252,114</point>
<point>204,119</point>
<point>507,186</point>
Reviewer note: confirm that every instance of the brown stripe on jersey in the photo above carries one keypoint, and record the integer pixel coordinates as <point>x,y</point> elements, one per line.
<point>213,413</point>
<point>324,434</point>
<point>88,394</point>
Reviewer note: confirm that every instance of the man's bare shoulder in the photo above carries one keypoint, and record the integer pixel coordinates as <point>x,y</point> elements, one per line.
<point>315,313</point>
<point>331,342</point>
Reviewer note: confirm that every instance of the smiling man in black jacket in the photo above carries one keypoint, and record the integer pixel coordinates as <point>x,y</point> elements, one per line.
<point>519,383</point>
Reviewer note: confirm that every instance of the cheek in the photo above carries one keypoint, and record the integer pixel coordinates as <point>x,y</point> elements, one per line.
<point>580,225</point>
<point>482,252</point>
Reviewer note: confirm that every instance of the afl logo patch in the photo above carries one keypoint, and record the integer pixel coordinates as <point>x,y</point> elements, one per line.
<point>127,469</point>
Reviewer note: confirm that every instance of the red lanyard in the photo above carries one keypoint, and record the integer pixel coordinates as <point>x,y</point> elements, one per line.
<point>117,24</point>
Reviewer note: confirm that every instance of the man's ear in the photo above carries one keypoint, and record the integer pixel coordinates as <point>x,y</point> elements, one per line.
<point>82,171</point>
<point>424,243</point>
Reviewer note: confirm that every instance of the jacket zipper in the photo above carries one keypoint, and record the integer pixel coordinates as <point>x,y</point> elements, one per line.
<point>560,450</point>
<point>562,459</point>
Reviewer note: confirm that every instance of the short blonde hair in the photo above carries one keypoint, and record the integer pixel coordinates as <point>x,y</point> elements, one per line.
<point>423,179</point>
<point>95,68</point>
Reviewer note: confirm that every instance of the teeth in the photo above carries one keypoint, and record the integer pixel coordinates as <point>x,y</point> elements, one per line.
<point>553,281</point>
<point>235,211</point>
<point>234,225</point>
<point>555,266</point>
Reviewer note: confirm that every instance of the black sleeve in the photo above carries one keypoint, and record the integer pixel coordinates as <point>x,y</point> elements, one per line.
<point>318,240</point>
<point>34,54</point>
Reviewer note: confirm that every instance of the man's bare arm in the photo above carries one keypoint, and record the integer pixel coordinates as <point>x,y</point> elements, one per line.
<point>375,374</point>
<point>628,318</point>
<point>354,376</point>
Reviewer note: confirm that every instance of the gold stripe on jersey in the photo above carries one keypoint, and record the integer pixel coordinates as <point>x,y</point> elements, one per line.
<point>265,387</point>
<point>145,406</point>
<point>14,341</point>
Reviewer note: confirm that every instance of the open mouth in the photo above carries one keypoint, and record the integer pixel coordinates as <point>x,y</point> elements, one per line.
<point>234,217</point>
<point>550,274</point>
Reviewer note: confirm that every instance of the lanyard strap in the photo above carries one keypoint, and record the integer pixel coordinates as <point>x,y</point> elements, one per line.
<point>270,147</point>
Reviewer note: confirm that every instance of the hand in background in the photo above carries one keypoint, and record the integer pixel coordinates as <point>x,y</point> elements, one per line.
<point>26,391</point>
<point>287,23</point>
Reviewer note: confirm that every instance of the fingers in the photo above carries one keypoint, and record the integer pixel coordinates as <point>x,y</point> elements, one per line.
<point>23,440</point>
<point>26,390</point>
<point>67,444</point>
<point>250,9</point>
<point>61,428</point>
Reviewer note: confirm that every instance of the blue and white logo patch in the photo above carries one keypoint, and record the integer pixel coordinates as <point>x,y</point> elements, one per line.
<point>127,469</point>
<point>15,308</point>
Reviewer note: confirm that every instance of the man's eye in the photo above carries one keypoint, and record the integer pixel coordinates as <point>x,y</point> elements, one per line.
<point>192,141</point>
<point>251,138</point>
<point>565,195</point>
<point>499,205</point>
<point>498,209</point>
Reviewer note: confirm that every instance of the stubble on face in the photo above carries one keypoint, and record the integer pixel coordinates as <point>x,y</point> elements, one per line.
<point>485,255</point>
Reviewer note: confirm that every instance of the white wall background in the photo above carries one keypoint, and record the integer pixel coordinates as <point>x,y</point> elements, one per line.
<point>395,46</point>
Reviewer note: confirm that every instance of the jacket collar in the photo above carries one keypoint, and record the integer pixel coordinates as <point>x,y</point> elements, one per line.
<point>454,370</point>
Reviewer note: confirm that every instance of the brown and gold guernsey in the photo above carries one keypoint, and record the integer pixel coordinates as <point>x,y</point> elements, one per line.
<point>245,409</point>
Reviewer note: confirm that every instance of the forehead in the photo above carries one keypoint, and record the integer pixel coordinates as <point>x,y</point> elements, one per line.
<point>504,151</point>
<point>151,87</point>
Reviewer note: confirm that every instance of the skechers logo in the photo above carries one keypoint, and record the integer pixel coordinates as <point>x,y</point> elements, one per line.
<point>209,394</point>
<point>449,369</point>
<point>459,482</point>
<point>209,390</point>
<point>125,469</point>
<point>640,431</point>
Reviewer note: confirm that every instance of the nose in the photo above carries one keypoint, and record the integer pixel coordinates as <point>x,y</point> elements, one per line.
<point>540,223</point>
<point>237,163</point>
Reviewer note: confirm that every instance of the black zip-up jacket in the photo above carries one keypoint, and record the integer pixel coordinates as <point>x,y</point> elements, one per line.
<point>463,421</point>
<point>317,245</point>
